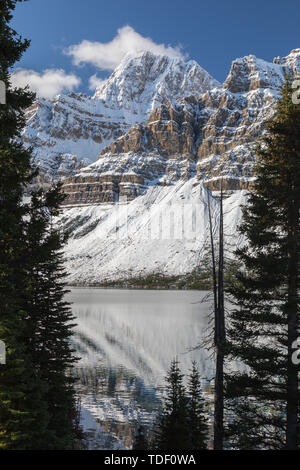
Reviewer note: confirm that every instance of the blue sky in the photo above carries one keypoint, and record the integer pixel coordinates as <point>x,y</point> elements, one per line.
<point>212,32</point>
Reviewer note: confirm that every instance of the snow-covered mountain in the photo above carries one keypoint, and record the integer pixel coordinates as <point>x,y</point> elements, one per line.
<point>164,231</point>
<point>144,81</point>
<point>210,135</point>
<point>71,130</point>
<point>171,132</point>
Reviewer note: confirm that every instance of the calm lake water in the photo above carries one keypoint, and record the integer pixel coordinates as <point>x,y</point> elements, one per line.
<point>125,340</point>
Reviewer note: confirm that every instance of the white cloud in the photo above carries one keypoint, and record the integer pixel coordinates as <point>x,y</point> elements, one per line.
<point>46,84</point>
<point>106,56</point>
<point>95,82</point>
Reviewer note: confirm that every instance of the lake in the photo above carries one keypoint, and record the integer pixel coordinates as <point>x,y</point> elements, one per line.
<point>125,340</point>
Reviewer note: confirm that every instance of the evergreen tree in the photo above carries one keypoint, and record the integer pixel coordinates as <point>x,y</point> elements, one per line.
<point>197,421</point>
<point>21,402</point>
<point>140,440</point>
<point>265,321</point>
<point>172,428</point>
<point>36,393</point>
<point>51,318</point>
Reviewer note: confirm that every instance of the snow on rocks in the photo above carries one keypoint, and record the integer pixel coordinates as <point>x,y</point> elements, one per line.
<point>82,125</point>
<point>165,231</point>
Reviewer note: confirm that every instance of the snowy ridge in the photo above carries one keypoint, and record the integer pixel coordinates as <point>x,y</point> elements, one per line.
<point>166,231</point>
<point>144,81</point>
<point>167,131</point>
<point>79,126</point>
<point>210,134</point>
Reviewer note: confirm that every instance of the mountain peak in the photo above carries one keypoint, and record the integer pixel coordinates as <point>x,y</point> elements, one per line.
<point>291,62</point>
<point>144,80</point>
<point>250,73</point>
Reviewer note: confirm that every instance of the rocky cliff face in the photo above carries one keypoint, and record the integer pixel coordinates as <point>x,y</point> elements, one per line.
<point>232,119</point>
<point>163,131</point>
<point>159,152</point>
<point>144,81</point>
<point>70,131</point>
<point>210,134</point>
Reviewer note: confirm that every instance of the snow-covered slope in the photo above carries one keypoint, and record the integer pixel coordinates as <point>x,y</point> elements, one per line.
<point>144,81</point>
<point>70,129</point>
<point>163,231</point>
<point>141,208</point>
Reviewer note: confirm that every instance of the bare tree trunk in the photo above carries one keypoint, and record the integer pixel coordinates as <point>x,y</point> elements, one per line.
<point>219,337</point>
<point>222,334</point>
<point>214,271</point>
<point>219,401</point>
<point>220,321</point>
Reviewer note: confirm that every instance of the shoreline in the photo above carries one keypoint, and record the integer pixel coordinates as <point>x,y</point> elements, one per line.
<point>101,286</point>
<point>197,280</point>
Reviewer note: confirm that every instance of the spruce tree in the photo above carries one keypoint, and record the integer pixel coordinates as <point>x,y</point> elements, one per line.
<point>197,421</point>
<point>264,324</point>
<point>172,428</point>
<point>36,393</point>
<point>140,441</point>
<point>51,317</point>
<point>21,402</point>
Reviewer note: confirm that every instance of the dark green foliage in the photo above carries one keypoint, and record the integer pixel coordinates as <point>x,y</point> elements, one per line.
<point>172,429</point>
<point>182,424</point>
<point>36,396</point>
<point>51,318</point>
<point>140,440</point>
<point>265,321</point>
<point>20,390</point>
<point>198,429</point>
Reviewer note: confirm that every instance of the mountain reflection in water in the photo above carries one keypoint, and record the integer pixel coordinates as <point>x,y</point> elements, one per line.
<point>125,340</point>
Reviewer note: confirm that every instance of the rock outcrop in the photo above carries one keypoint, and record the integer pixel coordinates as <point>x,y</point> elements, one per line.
<point>71,130</point>
<point>177,144</point>
<point>159,152</point>
<point>210,134</point>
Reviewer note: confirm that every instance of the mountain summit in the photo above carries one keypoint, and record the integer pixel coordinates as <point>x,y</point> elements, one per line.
<point>144,81</point>
<point>163,131</point>
<point>70,130</point>
<point>209,134</point>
